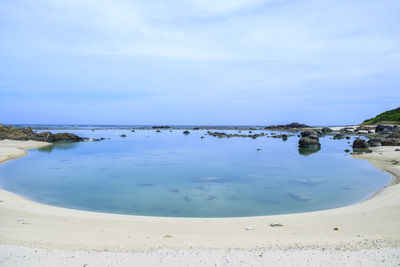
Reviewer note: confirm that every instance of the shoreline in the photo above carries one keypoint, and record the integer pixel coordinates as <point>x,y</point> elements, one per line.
<point>366,224</point>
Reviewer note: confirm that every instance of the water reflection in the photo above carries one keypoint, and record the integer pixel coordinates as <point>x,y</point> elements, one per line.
<point>61,146</point>
<point>308,151</point>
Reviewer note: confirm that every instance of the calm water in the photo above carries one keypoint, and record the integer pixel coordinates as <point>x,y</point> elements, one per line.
<point>171,174</point>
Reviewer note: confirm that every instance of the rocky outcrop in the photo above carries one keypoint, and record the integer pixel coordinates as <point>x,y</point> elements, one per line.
<point>23,134</point>
<point>391,142</point>
<point>293,125</point>
<point>386,129</point>
<point>309,140</point>
<point>360,144</point>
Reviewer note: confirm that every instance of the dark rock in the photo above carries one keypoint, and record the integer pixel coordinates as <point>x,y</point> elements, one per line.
<point>347,150</point>
<point>23,134</point>
<point>338,136</point>
<point>293,125</point>
<point>160,127</point>
<point>309,142</point>
<point>391,142</point>
<point>347,130</point>
<point>384,128</point>
<point>284,137</point>
<point>394,135</point>
<point>375,142</point>
<point>326,130</point>
<point>360,144</point>
<point>310,133</point>
<point>186,132</point>
<point>123,135</point>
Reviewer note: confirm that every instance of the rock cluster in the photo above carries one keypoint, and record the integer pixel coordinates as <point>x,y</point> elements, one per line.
<point>23,134</point>
<point>385,135</point>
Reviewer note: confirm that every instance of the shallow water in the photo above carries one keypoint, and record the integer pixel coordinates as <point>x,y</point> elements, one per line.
<point>171,174</point>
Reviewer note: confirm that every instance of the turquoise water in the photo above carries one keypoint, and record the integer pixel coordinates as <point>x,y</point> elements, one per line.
<point>171,174</point>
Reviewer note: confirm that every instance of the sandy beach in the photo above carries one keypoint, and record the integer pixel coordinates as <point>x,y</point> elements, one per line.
<point>367,233</point>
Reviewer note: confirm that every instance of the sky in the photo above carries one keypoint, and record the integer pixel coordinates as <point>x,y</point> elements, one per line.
<point>208,62</point>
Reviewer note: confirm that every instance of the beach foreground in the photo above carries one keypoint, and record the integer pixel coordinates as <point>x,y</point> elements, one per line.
<point>367,233</point>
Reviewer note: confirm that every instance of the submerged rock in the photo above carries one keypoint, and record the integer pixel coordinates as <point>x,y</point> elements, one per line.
<point>186,132</point>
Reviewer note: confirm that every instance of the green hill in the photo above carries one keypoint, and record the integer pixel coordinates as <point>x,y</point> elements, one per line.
<point>390,117</point>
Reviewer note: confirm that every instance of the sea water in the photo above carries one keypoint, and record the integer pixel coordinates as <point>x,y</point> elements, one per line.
<point>168,173</point>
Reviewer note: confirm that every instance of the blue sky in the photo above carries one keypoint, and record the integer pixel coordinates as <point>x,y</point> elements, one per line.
<point>320,62</point>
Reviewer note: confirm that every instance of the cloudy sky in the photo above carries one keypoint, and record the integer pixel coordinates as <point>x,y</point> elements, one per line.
<point>321,62</point>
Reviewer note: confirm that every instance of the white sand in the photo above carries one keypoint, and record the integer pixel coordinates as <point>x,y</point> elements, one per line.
<point>369,233</point>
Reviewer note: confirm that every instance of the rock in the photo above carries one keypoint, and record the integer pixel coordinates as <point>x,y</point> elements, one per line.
<point>123,135</point>
<point>275,224</point>
<point>394,135</point>
<point>375,142</point>
<point>309,142</point>
<point>338,136</point>
<point>360,144</point>
<point>336,229</point>
<point>19,133</point>
<point>397,150</point>
<point>160,127</point>
<point>326,130</point>
<point>384,128</point>
<point>347,150</point>
<point>391,142</point>
<point>168,236</point>
<point>293,125</point>
<point>347,130</point>
<point>186,132</point>
<point>284,137</point>
<point>308,133</point>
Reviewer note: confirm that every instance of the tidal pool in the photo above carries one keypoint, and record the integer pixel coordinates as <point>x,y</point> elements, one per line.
<point>171,174</point>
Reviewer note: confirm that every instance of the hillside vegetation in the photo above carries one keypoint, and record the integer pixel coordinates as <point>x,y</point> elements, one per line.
<point>390,117</point>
